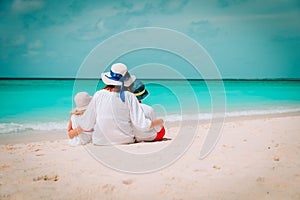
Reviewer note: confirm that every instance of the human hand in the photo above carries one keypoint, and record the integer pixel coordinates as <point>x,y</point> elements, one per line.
<point>79,130</point>
<point>157,122</point>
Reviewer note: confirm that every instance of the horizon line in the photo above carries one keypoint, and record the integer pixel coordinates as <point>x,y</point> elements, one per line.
<point>167,79</point>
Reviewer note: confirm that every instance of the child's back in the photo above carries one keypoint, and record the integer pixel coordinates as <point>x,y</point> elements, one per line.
<point>77,137</point>
<point>157,133</point>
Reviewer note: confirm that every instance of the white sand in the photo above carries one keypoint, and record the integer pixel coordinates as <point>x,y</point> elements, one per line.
<point>256,158</point>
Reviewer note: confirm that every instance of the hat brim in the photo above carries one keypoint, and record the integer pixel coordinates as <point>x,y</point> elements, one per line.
<point>108,81</point>
<point>143,96</point>
<point>82,108</point>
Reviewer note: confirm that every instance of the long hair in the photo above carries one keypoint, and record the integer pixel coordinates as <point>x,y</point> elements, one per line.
<point>115,88</point>
<point>111,88</point>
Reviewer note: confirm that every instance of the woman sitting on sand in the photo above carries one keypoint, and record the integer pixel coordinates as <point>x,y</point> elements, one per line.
<point>113,111</point>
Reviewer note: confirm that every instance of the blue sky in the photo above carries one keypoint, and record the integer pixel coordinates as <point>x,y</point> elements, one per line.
<point>245,38</point>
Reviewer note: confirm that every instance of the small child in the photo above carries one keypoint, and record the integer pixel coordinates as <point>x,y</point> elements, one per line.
<point>139,90</point>
<point>76,134</point>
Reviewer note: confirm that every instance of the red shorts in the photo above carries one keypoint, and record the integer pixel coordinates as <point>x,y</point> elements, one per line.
<point>160,134</point>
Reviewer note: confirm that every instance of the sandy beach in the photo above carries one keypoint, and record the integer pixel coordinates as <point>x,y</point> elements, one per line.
<point>256,158</point>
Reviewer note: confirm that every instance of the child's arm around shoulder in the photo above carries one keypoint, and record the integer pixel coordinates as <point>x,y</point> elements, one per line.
<point>150,114</point>
<point>73,132</point>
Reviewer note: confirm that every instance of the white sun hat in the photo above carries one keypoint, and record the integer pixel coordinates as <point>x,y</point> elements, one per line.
<point>82,100</point>
<point>117,75</point>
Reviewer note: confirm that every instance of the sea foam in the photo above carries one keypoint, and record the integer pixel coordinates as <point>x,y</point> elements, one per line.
<point>37,126</point>
<point>208,116</point>
<point>62,126</point>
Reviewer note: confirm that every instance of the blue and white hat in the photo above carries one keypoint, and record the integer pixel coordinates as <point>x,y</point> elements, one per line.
<point>118,75</point>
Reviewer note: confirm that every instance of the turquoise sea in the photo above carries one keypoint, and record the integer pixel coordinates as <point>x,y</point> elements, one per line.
<point>46,104</point>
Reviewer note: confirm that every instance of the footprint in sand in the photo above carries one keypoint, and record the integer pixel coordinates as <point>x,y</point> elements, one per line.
<point>5,196</point>
<point>39,154</point>
<point>127,182</point>
<point>36,150</point>
<point>276,158</point>
<point>217,167</point>
<point>260,179</point>
<point>10,147</point>
<point>5,166</point>
<point>46,178</point>
<point>108,188</point>
<point>198,170</point>
<point>228,146</point>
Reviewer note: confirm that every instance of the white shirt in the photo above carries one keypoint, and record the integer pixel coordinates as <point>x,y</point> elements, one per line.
<point>147,135</point>
<point>82,138</point>
<point>112,119</point>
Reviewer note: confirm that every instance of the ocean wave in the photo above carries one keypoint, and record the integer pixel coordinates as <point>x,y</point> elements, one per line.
<point>209,116</point>
<point>60,126</point>
<point>39,126</point>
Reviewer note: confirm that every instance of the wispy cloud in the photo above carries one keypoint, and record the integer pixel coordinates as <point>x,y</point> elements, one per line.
<point>227,3</point>
<point>252,17</point>
<point>172,7</point>
<point>203,29</point>
<point>15,40</point>
<point>91,31</point>
<point>35,44</point>
<point>76,7</point>
<point>26,6</point>
<point>31,53</point>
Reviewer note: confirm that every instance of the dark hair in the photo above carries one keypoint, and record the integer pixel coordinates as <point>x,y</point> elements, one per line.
<point>117,87</point>
<point>109,87</point>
